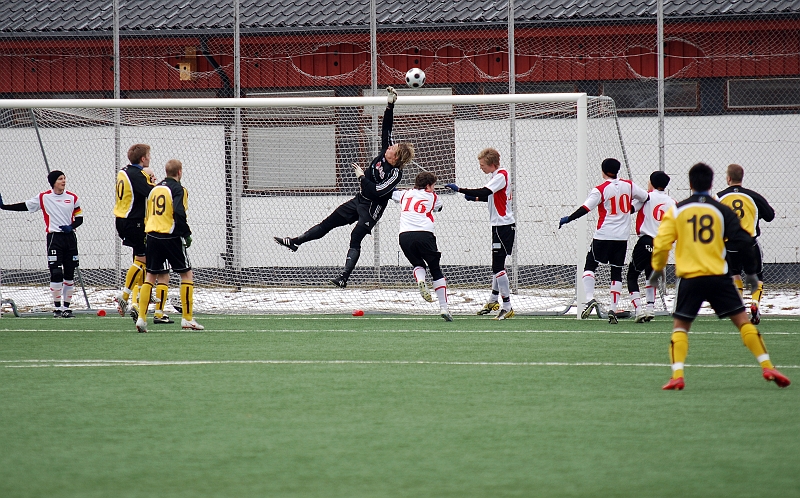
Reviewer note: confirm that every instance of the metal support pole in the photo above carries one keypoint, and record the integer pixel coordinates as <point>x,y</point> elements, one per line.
<point>512,79</point>
<point>660,43</point>
<point>373,48</point>
<point>581,190</point>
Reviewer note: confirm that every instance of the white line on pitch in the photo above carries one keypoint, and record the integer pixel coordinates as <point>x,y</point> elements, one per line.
<point>140,363</point>
<point>665,331</point>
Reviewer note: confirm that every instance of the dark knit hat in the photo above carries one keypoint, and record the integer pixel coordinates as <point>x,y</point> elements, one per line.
<point>659,179</point>
<point>53,176</point>
<point>610,165</point>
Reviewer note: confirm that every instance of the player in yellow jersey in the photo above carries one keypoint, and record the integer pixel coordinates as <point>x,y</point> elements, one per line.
<point>132,188</point>
<point>750,207</point>
<point>699,226</point>
<point>168,237</point>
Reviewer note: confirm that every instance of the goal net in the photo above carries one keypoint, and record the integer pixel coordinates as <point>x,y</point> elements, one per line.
<point>257,168</point>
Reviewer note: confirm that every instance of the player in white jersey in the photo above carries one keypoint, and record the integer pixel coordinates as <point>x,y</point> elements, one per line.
<point>417,239</point>
<point>613,199</point>
<point>62,215</point>
<point>497,193</point>
<point>648,218</point>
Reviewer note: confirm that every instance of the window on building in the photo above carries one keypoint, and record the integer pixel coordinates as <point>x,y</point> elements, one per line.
<point>642,95</point>
<point>761,93</point>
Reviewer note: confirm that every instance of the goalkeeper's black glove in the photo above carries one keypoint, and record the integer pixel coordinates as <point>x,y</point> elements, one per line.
<point>66,228</point>
<point>563,221</point>
<point>1,201</point>
<point>655,277</point>
<point>751,281</point>
<point>187,241</point>
<point>452,186</point>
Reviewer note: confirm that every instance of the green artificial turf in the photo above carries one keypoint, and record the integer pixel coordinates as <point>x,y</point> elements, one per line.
<point>392,406</point>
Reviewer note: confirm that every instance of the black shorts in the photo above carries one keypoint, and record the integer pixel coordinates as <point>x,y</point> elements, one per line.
<point>132,234</point>
<point>736,265</point>
<point>610,252</point>
<point>163,254</point>
<point>718,290</point>
<point>62,249</point>
<point>420,248</point>
<point>503,238</point>
<point>642,254</point>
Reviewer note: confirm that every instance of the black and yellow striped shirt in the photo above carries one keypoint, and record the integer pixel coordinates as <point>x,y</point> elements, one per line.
<point>166,210</point>
<point>133,187</point>
<point>699,227</point>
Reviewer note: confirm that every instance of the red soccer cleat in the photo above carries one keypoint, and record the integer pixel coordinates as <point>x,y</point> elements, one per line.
<point>674,385</point>
<point>776,377</point>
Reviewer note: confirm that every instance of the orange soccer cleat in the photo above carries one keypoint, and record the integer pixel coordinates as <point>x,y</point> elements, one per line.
<point>674,385</point>
<point>776,377</point>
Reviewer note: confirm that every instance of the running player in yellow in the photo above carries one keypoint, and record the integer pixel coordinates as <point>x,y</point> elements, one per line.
<point>699,226</point>
<point>750,207</point>
<point>168,237</point>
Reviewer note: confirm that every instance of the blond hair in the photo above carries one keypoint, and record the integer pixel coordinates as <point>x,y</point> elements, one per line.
<point>405,154</point>
<point>173,167</point>
<point>490,155</point>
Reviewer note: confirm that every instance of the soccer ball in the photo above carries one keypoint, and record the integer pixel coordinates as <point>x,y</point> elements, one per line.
<point>415,77</point>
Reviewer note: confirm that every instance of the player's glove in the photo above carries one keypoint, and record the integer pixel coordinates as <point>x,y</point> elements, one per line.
<point>655,277</point>
<point>452,186</point>
<point>470,198</point>
<point>66,228</point>
<point>187,241</point>
<point>1,201</point>
<point>357,170</point>
<point>563,221</point>
<point>392,95</point>
<point>751,281</point>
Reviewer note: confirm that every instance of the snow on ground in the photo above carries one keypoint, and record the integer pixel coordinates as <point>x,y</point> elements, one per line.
<point>336,301</point>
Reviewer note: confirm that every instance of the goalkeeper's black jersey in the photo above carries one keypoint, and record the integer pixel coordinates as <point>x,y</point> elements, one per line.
<point>381,178</point>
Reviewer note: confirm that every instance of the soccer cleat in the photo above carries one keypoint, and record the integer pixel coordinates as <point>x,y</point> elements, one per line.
<point>649,315</point>
<point>770,374</point>
<point>162,319</point>
<point>489,307</point>
<point>641,316</point>
<point>755,314</point>
<point>134,313</point>
<point>340,282</point>
<point>590,306</point>
<point>287,243</point>
<point>509,313</point>
<point>612,317</point>
<point>67,313</point>
<point>674,385</point>
<point>122,304</point>
<point>447,316</point>
<point>57,314</point>
<point>141,326</point>
<point>424,292</point>
<point>191,325</point>
<point>176,304</point>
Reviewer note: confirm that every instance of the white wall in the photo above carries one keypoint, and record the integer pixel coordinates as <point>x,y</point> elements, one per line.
<point>767,146</point>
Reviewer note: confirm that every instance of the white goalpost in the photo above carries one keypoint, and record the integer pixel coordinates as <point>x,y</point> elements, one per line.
<point>262,167</point>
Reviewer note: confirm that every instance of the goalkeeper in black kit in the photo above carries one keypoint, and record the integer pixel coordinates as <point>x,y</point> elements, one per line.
<point>377,184</point>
